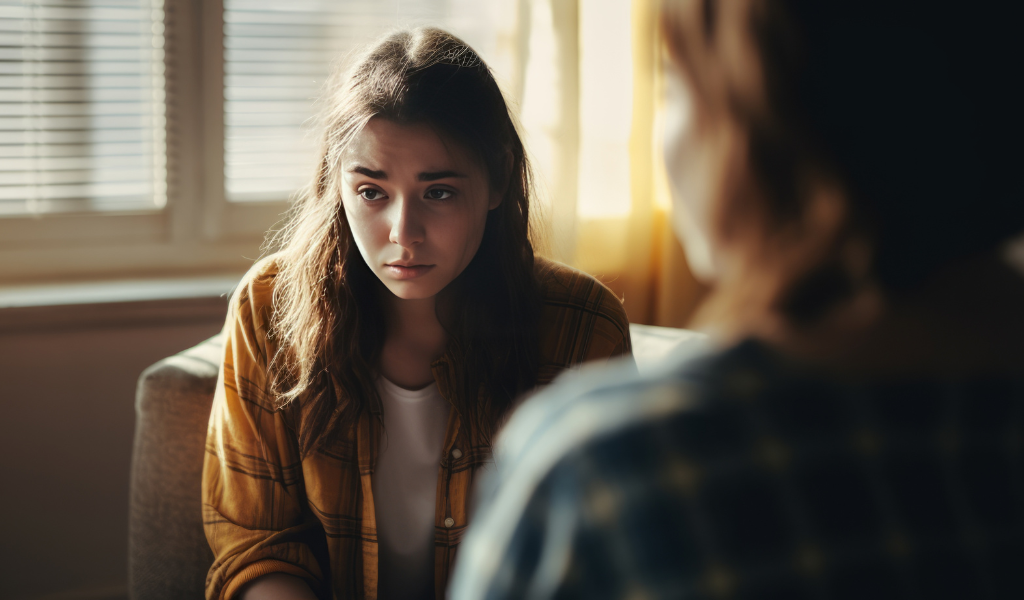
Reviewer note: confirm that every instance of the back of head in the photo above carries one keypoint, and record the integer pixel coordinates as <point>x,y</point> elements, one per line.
<point>910,109</point>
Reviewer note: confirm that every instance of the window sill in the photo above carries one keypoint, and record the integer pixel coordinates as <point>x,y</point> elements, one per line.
<point>115,303</point>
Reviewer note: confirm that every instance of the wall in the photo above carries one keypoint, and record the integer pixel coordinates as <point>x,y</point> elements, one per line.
<point>67,390</point>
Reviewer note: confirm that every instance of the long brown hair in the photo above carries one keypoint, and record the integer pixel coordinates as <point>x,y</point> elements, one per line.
<point>864,143</point>
<point>328,321</point>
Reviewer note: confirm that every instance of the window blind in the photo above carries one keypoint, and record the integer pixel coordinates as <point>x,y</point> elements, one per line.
<point>81,106</point>
<point>277,56</point>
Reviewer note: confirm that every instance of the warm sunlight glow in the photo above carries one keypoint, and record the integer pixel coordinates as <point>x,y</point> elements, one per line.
<point>606,102</point>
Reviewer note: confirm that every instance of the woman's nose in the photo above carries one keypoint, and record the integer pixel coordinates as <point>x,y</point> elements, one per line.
<point>406,223</point>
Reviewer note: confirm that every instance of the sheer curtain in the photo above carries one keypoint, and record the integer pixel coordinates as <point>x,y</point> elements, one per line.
<point>589,98</point>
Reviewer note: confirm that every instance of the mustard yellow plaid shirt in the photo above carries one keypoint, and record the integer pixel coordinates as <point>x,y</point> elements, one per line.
<point>266,510</point>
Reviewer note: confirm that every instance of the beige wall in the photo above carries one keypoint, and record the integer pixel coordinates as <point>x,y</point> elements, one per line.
<point>67,390</point>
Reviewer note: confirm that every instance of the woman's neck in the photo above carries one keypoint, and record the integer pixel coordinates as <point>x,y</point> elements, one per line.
<point>413,339</point>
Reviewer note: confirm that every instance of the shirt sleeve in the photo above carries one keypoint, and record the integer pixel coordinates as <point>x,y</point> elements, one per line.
<point>582,321</point>
<point>610,335</point>
<point>255,515</point>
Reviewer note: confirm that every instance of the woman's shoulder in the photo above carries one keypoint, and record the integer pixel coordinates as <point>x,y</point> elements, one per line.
<point>253,298</point>
<point>562,286</point>
<point>581,319</point>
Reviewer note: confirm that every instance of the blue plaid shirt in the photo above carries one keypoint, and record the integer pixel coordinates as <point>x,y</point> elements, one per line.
<point>742,475</point>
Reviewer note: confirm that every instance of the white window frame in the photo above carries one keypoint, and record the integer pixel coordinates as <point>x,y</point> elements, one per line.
<point>197,230</point>
<point>223,219</point>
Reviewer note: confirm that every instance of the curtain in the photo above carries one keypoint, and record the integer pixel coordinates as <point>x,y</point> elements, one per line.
<point>587,81</point>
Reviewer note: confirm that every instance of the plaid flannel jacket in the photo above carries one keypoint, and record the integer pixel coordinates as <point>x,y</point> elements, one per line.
<point>744,475</point>
<point>265,510</point>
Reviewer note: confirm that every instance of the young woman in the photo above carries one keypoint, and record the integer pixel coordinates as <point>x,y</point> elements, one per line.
<point>370,361</point>
<point>852,169</point>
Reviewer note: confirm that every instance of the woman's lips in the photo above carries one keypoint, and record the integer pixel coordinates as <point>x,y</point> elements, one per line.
<point>403,272</point>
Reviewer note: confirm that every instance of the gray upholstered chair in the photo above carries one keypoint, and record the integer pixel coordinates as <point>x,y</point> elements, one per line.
<point>168,555</point>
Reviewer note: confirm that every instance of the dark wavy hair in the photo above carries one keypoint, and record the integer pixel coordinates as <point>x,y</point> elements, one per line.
<point>909,113</point>
<point>328,320</point>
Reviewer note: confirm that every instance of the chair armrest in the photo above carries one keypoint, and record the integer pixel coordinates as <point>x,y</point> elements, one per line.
<point>168,556</point>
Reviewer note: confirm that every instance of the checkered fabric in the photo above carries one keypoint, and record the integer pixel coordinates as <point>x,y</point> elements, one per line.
<point>741,475</point>
<point>266,509</point>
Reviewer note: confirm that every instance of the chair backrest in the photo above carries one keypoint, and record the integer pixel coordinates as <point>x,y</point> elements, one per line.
<point>168,556</point>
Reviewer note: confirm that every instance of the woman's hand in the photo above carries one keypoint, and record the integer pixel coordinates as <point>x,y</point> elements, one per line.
<point>276,586</point>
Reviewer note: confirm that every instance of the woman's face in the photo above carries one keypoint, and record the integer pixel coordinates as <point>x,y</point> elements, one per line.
<point>416,204</point>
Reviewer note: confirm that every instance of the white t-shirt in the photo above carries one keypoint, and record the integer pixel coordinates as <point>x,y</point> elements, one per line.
<point>405,489</point>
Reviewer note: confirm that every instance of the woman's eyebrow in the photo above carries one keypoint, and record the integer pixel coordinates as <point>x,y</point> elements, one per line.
<point>435,175</point>
<point>369,172</point>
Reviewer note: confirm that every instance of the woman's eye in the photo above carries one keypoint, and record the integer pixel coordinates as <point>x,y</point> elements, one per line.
<point>371,194</point>
<point>438,194</point>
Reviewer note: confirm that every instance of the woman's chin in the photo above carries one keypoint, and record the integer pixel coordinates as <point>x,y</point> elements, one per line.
<point>406,290</point>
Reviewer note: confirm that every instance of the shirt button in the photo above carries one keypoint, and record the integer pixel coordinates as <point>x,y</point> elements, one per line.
<point>449,522</point>
<point>456,453</point>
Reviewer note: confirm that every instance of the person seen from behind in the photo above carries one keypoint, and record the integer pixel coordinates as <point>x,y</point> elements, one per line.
<point>847,174</point>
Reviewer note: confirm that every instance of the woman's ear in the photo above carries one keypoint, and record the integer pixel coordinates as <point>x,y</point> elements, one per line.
<point>498,192</point>
<point>494,200</point>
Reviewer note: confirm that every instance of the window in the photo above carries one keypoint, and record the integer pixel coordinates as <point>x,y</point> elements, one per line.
<point>160,136</point>
<point>149,137</point>
<point>81,107</point>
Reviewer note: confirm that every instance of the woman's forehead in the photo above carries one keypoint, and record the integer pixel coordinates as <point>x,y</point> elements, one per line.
<point>385,144</point>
